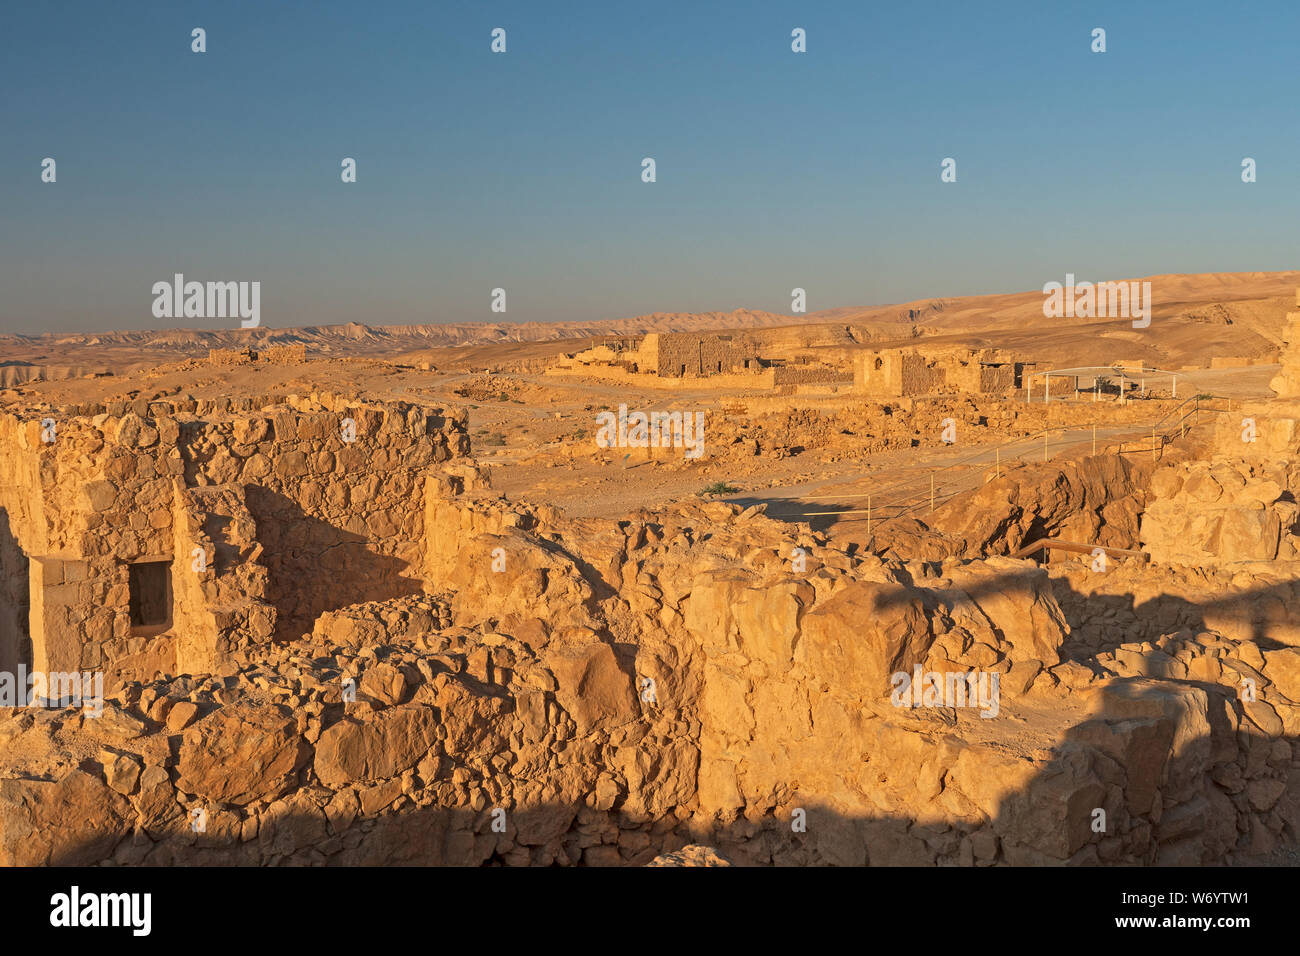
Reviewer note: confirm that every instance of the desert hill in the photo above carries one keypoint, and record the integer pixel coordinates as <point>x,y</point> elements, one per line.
<point>1198,315</point>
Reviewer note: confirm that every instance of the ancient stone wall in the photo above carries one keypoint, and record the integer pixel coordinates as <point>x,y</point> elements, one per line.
<point>1223,511</point>
<point>1286,384</point>
<point>918,376</point>
<point>679,354</point>
<point>220,357</point>
<point>334,488</point>
<point>219,580</point>
<point>15,600</point>
<point>903,372</point>
<point>274,355</point>
<point>808,375</point>
<point>621,689</point>
<point>996,378</point>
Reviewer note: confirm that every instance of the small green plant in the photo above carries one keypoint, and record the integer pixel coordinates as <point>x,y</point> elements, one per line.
<point>718,488</point>
<point>494,439</point>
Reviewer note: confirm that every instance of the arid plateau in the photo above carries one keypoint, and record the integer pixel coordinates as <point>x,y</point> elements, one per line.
<point>940,583</point>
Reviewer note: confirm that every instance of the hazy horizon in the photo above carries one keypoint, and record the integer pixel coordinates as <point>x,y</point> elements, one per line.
<point>795,319</point>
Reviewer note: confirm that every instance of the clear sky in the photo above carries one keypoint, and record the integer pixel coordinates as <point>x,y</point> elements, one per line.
<point>522,170</point>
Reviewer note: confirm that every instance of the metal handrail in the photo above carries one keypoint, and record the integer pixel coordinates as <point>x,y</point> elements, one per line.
<point>1159,440</point>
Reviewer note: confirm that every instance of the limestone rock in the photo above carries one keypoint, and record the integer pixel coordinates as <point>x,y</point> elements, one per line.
<point>691,855</point>
<point>393,740</point>
<point>241,754</point>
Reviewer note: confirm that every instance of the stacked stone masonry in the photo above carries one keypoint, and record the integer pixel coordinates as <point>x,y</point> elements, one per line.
<point>266,516</point>
<point>624,689</point>
<point>903,372</point>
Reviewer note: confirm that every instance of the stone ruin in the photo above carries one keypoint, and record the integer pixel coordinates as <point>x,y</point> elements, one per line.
<point>163,538</point>
<point>602,692</point>
<point>896,373</point>
<point>382,660</point>
<point>272,355</point>
<point>730,358</point>
<point>677,354</point>
<point>1236,503</point>
<point>1286,384</point>
<point>683,355</point>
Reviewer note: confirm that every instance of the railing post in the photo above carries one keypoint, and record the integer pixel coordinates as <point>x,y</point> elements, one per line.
<point>1044,446</point>
<point>1094,438</point>
<point>868,516</point>
<point>1153,443</point>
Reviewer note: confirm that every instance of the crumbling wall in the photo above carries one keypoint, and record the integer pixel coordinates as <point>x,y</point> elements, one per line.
<point>621,689</point>
<point>219,582</point>
<point>1286,384</point>
<point>996,378</point>
<point>679,354</point>
<point>336,494</point>
<point>15,600</point>
<point>334,486</point>
<point>224,357</point>
<point>1223,511</point>
<point>273,355</point>
<point>919,376</point>
<point>808,375</point>
<point>902,372</point>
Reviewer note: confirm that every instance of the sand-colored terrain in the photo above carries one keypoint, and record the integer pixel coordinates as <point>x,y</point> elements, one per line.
<point>385,595</point>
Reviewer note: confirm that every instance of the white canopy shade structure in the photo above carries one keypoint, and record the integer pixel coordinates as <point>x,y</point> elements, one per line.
<point>1097,372</point>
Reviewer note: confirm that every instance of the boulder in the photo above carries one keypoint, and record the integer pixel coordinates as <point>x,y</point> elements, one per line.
<point>382,746</point>
<point>240,754</point>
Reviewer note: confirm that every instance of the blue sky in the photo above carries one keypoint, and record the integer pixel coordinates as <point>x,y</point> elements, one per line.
<point>522,170</point>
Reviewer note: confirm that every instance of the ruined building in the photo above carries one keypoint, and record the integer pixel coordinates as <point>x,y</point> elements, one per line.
<point>900,372</point>
<point>682,355</point>
<point>1287,381</point>
<point>379,656</point>
<point>162,537</point>
<point>673,355</point>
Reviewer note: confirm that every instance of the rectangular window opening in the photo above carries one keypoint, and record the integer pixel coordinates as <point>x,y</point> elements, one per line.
<point>151,594</point>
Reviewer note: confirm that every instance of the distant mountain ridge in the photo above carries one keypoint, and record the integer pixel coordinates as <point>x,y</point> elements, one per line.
<point>355,336</point>
<point>1248,305</point>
